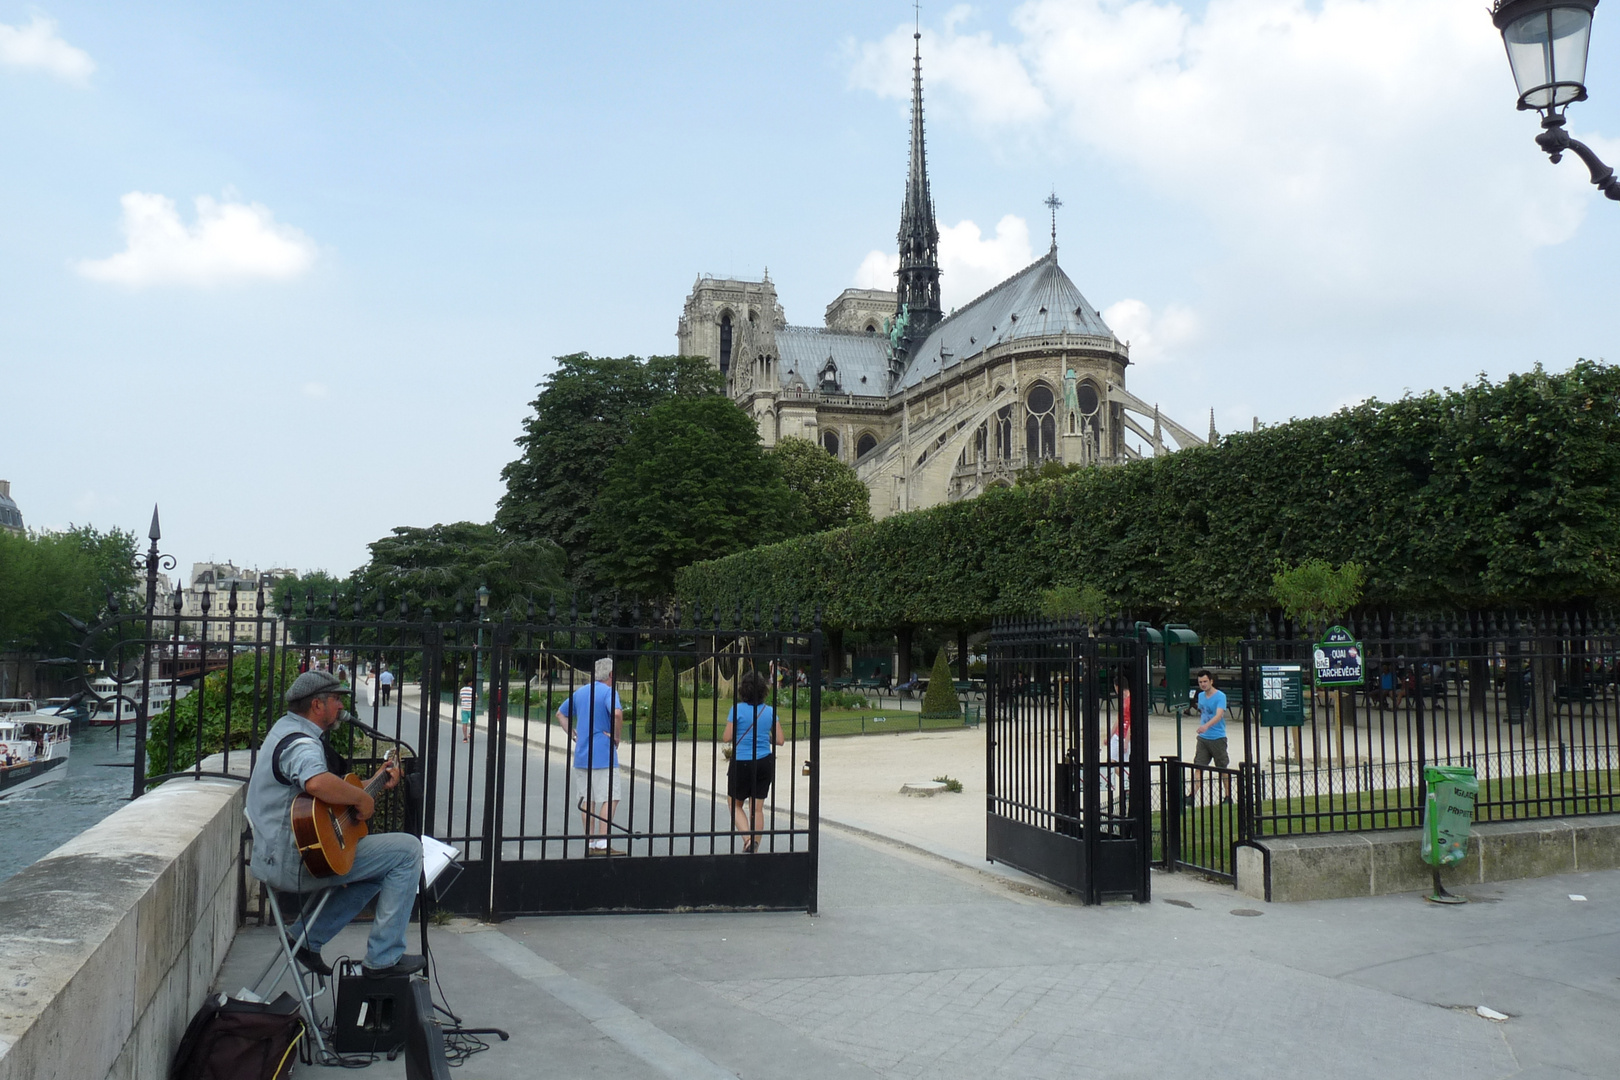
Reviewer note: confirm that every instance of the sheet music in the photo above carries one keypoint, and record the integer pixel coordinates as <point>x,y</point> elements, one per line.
<point>436,855</point>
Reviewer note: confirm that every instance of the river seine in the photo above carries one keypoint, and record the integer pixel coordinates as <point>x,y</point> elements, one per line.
<point>33,823</point>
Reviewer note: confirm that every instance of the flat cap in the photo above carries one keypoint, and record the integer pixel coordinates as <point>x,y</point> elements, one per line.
<point>311,683</point>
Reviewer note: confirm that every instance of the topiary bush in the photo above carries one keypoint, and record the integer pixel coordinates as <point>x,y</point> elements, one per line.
<point>668,710</point>
<point>939,701</point>
<point>1494,494</point>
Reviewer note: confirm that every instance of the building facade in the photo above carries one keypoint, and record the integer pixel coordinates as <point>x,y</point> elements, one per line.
<point>11,519</point>
<point>931,407</point>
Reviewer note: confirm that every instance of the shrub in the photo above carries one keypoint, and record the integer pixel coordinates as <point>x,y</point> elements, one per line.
<point>668,710</point>
<point>939,702</point>
<point>1495,494</point>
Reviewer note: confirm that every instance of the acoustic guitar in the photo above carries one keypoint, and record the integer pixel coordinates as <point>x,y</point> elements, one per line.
<point>327,836</point>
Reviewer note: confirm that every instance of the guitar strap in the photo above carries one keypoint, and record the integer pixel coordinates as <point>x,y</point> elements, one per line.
<point>335,762</point>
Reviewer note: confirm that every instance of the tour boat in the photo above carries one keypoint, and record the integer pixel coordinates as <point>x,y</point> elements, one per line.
<point>36,745</point>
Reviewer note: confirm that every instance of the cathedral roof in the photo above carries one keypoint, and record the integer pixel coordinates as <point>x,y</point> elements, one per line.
<point>1037,301</point>
<point>862,359</point>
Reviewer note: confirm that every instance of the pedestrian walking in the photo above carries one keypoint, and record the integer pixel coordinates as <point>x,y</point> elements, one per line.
<point>1212,731</point>
<point>753,733</point>
<point>385,684</point>
<point>466,704</point>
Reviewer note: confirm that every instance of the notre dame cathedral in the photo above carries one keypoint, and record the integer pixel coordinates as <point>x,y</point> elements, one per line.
<point>930,407</point>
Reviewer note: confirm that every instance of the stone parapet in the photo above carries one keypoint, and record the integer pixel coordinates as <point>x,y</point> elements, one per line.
<point>109,943</point>
<point>1332,865</point>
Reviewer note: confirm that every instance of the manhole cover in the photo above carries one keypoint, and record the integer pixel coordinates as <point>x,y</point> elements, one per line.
<point>1246,912</point>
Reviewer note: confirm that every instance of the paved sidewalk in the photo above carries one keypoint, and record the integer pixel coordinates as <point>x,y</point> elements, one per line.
<point>921,967</point>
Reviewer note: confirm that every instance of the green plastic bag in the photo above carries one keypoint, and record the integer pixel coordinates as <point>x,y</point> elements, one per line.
<point>1448,811</point>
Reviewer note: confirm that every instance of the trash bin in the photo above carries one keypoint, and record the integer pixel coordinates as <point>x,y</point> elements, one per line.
<point>1182,649</point>
<point>1448,813</point>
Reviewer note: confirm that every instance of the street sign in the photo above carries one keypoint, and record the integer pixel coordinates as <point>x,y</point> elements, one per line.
<point>1282,695</point>
<point>1338,659</point>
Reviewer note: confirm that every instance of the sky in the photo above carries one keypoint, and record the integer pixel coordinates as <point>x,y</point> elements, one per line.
<point>292,273</point>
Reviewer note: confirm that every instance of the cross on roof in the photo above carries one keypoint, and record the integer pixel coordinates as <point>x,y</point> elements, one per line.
<point>1053,203</point>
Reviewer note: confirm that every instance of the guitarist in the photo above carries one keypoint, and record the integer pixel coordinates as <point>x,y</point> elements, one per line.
<point>295,758</point>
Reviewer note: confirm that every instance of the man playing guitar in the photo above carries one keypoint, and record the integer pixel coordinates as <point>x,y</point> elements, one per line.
<point>293,760</point>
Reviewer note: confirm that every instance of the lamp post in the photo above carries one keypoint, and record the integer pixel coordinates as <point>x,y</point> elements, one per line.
<point>1546,45</point>
<point>478,654</point>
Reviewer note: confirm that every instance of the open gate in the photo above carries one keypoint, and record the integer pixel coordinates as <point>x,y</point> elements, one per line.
<point>510,799</point>
<point>199,688</point>
<point>1067,757</point>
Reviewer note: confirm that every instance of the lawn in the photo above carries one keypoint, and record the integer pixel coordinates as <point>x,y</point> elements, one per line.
<point>1206,831</point>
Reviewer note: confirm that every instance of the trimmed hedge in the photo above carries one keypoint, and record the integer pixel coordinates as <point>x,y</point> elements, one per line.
<point>1501,493</point>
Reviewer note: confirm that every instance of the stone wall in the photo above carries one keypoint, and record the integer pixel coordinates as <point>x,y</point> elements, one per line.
<point>1328,866</point>
<point>109,944</point>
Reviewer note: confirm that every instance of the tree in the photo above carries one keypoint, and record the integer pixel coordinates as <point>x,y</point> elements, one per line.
<point>1314,591</point>
<point>441,564</point>
<point>668,715</point>
<point>690,483</point>
<point>939,700</point>
<point>44,574</point>
<point>585,412</point>
<point>827,493</point>
<point>291,593</point>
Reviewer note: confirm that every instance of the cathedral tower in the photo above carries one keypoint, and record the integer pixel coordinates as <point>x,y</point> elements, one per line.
<point>918,292</point>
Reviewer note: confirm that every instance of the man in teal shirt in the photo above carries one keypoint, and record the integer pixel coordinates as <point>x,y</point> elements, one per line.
<point>1212,730</point>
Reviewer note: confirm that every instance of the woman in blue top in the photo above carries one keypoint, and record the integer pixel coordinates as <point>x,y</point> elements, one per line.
<point>753,733</point>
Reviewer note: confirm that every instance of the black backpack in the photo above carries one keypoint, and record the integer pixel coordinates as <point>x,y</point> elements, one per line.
<point>240,1040</point>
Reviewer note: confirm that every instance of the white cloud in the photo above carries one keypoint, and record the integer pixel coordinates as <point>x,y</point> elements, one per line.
<point>230,242</point>
<point>1152,338</point>
<point>316,390</point>
<point>989,81</point>
<point>969,261</point>
<point>38,47</point>
<point>1348,171</point>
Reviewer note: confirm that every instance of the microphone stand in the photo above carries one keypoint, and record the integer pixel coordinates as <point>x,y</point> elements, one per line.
<point>412,781</point>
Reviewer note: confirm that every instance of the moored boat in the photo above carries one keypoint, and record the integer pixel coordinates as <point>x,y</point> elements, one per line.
<point>34,746</point>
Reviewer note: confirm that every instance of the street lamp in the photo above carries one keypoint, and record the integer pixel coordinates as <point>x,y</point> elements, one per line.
<point>1546,45</point>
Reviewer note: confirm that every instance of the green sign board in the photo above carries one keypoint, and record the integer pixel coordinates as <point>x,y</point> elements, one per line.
<point>1339,659</point>
<point>1282,695</point>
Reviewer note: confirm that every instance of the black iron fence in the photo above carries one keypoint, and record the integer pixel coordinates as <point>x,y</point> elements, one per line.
<point>1066,757</point>
<point>1528,702</point>
<point>639,817</point>
<point>1531,703</point>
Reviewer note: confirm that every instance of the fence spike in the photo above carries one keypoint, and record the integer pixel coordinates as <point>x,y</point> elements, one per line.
<point>528,610</point>
<point>817,626</point>
<point>180,601</point>
<point>635,612</point>
<point>717,616</point>
<point>776,618</point>
<point>112,602</point>
<point>309,604</point>
<point>258,602</point>
<point>675,614</point>
<point>230,601</point>
<point>573,608</point>
<point>796,622</point>
<point>404,607</point>
<point>759,622</point>
<point>551,608</point>
<point>206,601</point>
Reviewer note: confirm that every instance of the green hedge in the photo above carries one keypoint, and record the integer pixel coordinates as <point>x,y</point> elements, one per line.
<point>1498,493</point>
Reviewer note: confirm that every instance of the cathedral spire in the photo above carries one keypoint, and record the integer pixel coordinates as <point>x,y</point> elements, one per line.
<point>918,289</point>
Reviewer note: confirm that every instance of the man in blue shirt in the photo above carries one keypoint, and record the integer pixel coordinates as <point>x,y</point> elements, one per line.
<point>594,716</point>
<point>1212,730</point>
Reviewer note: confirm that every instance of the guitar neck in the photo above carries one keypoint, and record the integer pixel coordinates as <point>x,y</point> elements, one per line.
<point>375,784</point>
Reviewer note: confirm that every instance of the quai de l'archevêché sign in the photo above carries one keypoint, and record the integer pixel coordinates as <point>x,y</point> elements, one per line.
<point>1339,659</point>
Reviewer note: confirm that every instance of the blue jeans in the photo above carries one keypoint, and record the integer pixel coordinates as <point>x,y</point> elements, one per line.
<point>387,866</point>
